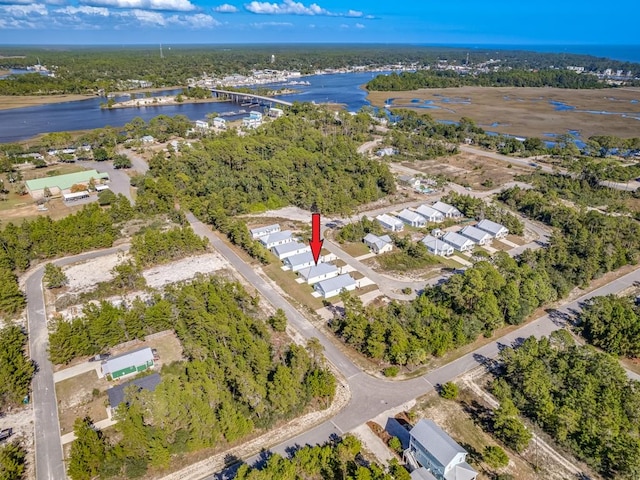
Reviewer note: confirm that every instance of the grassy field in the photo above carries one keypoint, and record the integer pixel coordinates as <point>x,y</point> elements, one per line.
<point>528,111</point>
<point>300,292</point>
<point>355,249</point>
<point>76,399</point>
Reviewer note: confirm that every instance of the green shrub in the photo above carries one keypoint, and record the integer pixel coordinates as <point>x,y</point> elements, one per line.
<point>449,390</point>
<point>391,371</point>
<point>495,456</point>
<point>395,444</point>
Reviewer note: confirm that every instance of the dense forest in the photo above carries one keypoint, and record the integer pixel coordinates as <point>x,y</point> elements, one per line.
<point>86,70</point>
<point>16,369</point>
<point>500,78</point>
<point>612,323</point>
<point>152,246</point>
<point>582,398</point>
<point>12,461</point>
<point>487,296</point>
<point>236,379</point>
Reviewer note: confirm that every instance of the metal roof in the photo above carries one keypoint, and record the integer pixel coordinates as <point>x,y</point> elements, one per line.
<point>436,441</point>
<point>411,217</point>
<point>317,270</point>
<point>276,237</point>
<point>422,474</point>
<point>336,283</point>
<point>259,231</point>
<point>429,212</point>
<point>475,234</point>
<point>433,243</point>
<point>457,240</point>
<point>389,220</point>
<point>290,247</point>
<point>445,208</point>
<point>116,394</point>
<point>132,358</point>
<point>64,182</point>
<point>376,240</point>
<point>491,227</point>
<point>299,259</point>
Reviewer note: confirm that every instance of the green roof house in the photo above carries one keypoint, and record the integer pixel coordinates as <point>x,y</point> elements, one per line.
<point>60,183</point>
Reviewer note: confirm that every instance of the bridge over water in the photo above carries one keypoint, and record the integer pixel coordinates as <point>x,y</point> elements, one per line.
<point>238,97</point>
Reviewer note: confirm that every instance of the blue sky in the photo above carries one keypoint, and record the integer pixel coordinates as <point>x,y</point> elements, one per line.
<point>291,21</point>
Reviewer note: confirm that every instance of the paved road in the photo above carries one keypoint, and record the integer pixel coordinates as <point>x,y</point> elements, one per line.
<point>372,396</point>
<point>118,178</point>
<point>139,164</point>
<point>49,460</point>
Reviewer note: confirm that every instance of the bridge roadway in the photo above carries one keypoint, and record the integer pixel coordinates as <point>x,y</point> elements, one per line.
<point>249,96</point>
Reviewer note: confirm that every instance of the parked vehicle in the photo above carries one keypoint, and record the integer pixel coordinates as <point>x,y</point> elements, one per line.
<point>5,433</point>
<point>99,357</point>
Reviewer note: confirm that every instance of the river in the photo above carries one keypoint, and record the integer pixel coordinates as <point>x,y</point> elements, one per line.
<point>22,123</point>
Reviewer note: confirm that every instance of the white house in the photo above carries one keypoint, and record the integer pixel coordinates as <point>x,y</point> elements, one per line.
<point>266,230</point>
<point>412,219</point>
<point>437,232</point>
<point>478,236</point>
<point>277,238</point>
<point>495,229</point>
<point>297,262</point>
<point>148,139</point>
<point>334,286</point>
<point>437,246</point>
<point>275,112</point>
<point>409,180</point>
<point>431,214</point>
<point>385,152</point>
<point>434,454</point>
<point>390,223</point>
<point>378,244</point>
<point>290,249</point>
<point>202,125</point>
<point>317,273</point>
<point>449,211</point>
<point>255,116</point>
<point>249,122</point>
<point>220,123</point>
<point>457,241</point>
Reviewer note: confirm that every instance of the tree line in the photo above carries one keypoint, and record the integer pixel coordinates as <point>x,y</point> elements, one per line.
<point>580,397</point>
<point>503,291</point>
<point>16,369</point>
<point>500,78</point>
<point>235,380</point>
<point>153,246</point>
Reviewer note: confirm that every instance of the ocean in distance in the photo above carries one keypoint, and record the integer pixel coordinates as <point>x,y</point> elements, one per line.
<point>623,53</point>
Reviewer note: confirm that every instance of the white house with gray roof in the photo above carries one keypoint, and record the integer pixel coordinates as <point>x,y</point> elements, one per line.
<point>378,244</point>
<point>299,261</point>
<point>432,454</point>
<point>275,239</point>
<point>266,230</point>
<point>412,219</point>
<point>449,211</point>
<point>289,249</point>
<point>431,214</point>
<point>334,286</point>
<point>479,236</point>
<point>458,242</point>
<point>390,223</point>
<point>317,273</point>
<point>497,230</point>
<point>437,246</point>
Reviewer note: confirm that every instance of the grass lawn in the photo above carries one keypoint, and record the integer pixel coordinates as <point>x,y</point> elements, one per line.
<point>399,261</point>
<point>300,292</point>
<point>76,399</point>
<point>355,249</point>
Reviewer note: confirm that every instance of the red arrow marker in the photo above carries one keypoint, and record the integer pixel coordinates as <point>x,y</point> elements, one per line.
<point>315,243</point>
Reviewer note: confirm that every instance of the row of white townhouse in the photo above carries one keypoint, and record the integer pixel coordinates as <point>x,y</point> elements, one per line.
<point>297,257</point>
<point>424,214</point>
<point>466,239</point>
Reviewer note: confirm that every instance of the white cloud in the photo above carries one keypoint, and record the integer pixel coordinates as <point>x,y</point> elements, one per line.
<point>359,25</point>
<point>25,10</point>
<point>344,25</point>
<point>291,7</point>
<point>171,5</point>
<point>199,20</point>
<point>84,10</point>
<point>271,24</point>
<point>226,8</point>
<point>146,17</point>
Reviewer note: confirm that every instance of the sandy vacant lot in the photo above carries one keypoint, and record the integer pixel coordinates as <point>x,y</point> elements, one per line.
<point>184,269</point>
<point>528,111</point>
<point>84,276</point>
